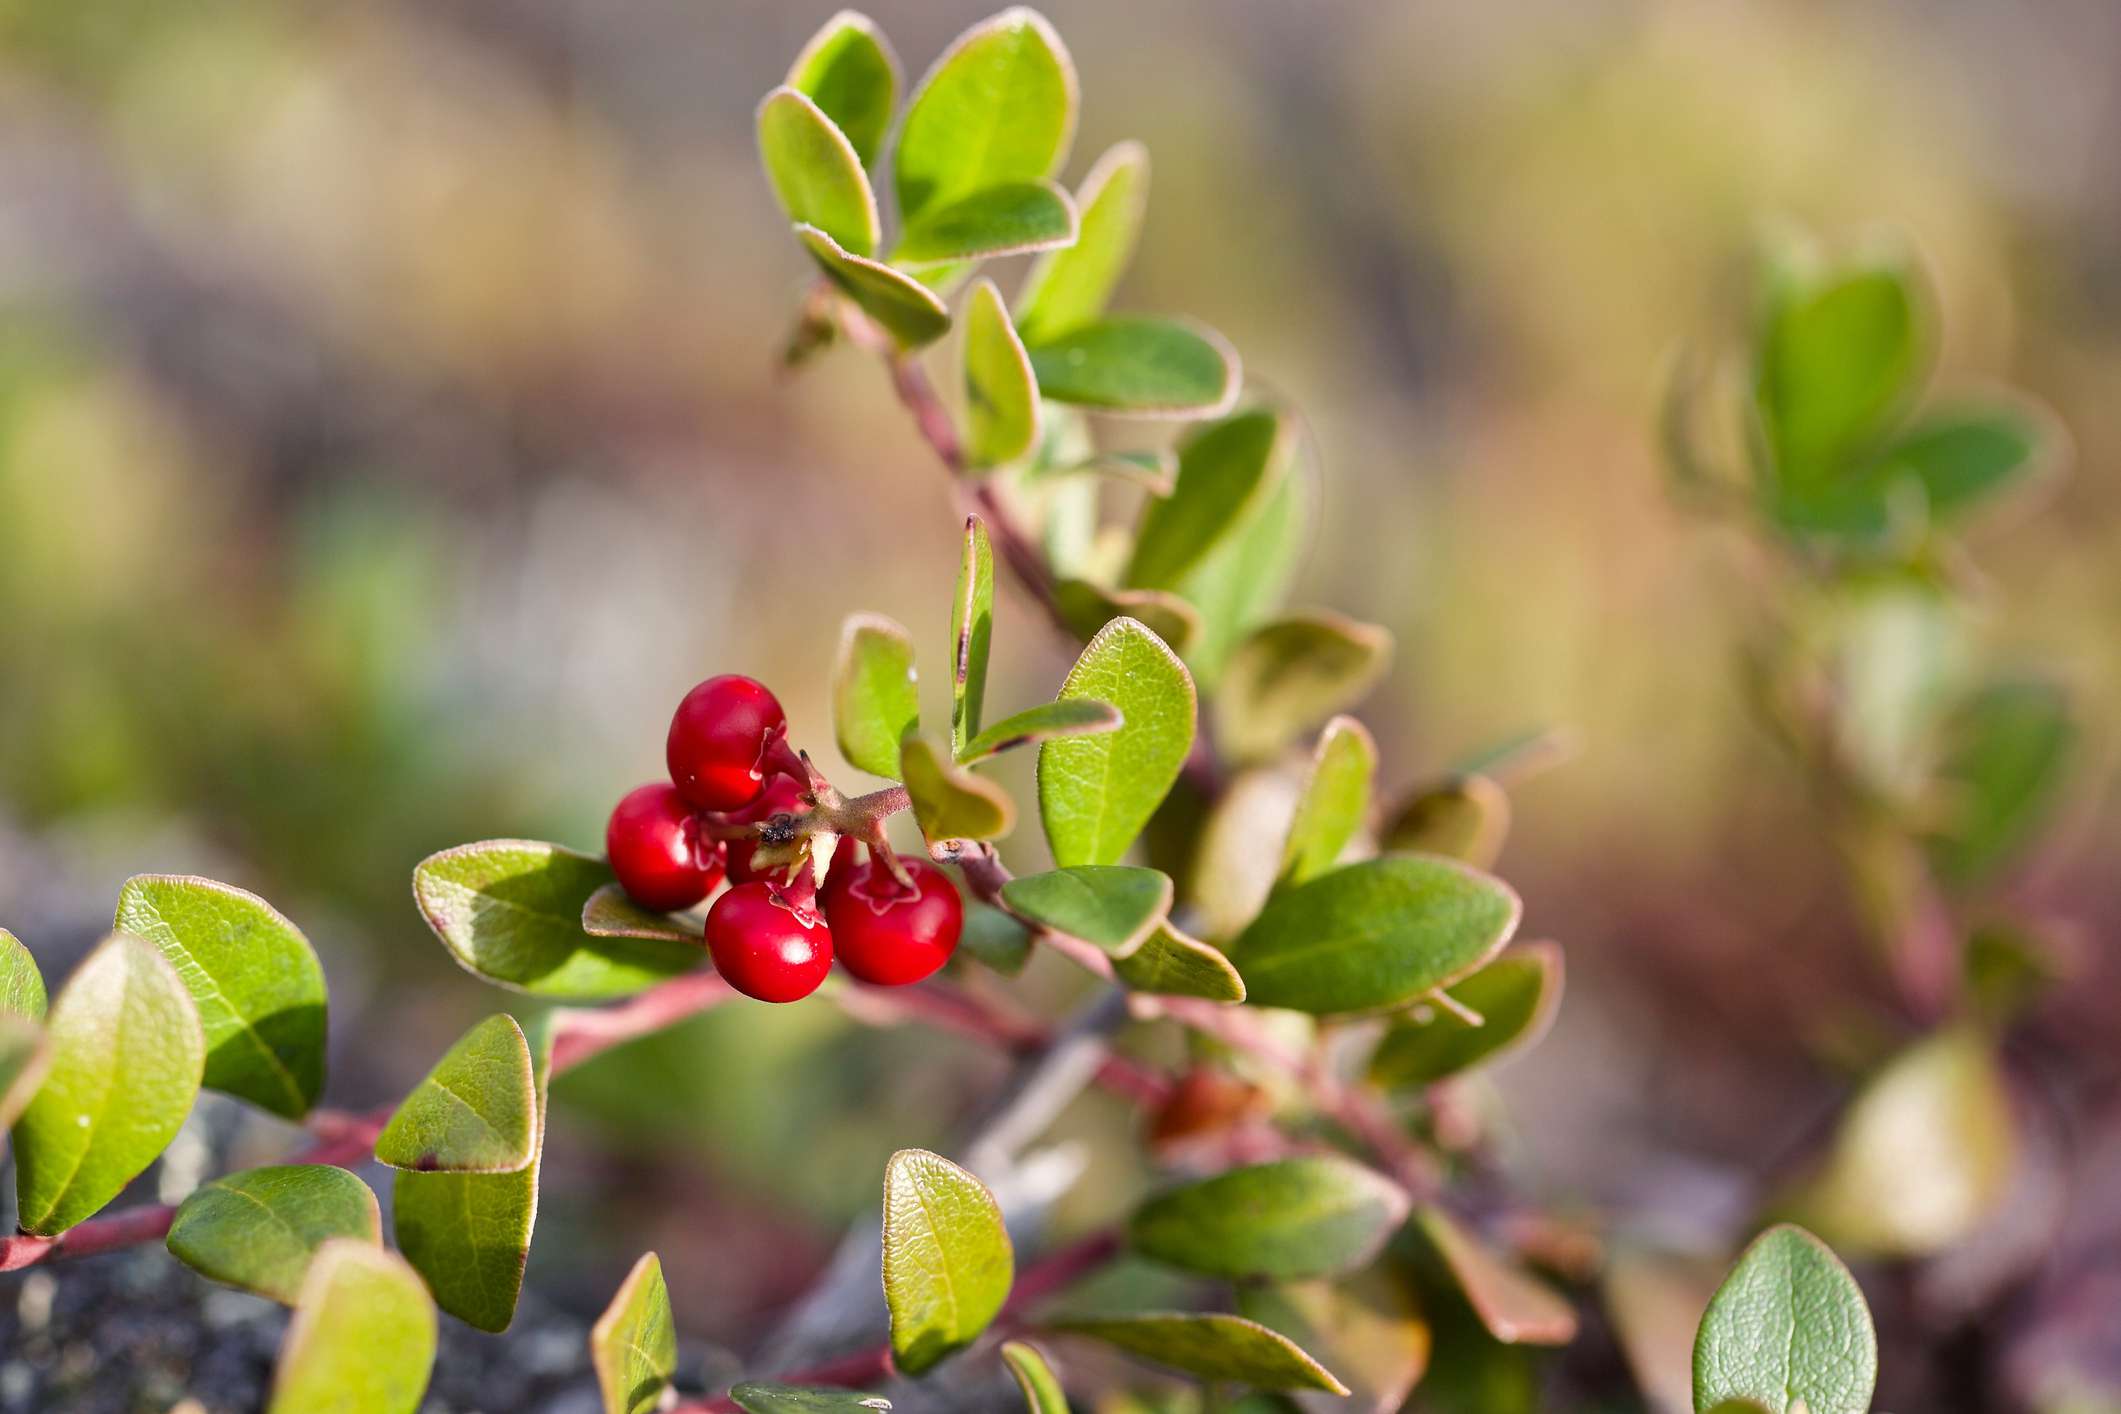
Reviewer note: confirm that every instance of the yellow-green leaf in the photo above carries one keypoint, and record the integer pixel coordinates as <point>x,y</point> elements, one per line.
<point>1014,218</point>
<point>1140,366</point>
<point>24,1059</point>
<point>1001,397</point>
<point>1211,1346</point>
<point>951,802</point>
<point>998,106</point>
<point>948,1264</point>
<point>1317,1216</point>
<point>1070,288</point>
<point>1088,607</point>
<point>1172,964</point>
<point>634,1344</point>
<point>849,71</point>
<point>910,312</point>
<point>1114,906</point>
<point>1788,1328</point>
<point>476,1112</point>
<point>875,701</point>
<point>1095,793</point>
<point>362,1340</point>
<point>816,172</point>
<point>1336,797</point>
<point>259,1229</point>
<point>21,984</point>
<point>1226,470</point>
<point>1077,716</point>
<point>971,633</point>
<point>1515,997</point>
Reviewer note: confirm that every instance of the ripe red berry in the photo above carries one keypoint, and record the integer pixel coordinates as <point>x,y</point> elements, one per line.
<point>722,741</point>
<point>887,933</point>
<point>656,849</point>
<point>766,945</point>
<point>782,796</point>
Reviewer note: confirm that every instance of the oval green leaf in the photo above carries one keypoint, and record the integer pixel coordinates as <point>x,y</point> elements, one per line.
<point>1172,964</point>
<point>998,106</point>
<point>1141,366</point>
<point>816,172</point>
<point>1070,288</point>
<point>1095,793</point>
<point>1226,470</point>
<point>634,1344</point>
<point>1839,358</point>
<point>257,983</point>
<point>950,802</point>
<point>1515,997</point>
<point>1035,1377</point>
<point>258,1229</point>
<point>1516,1307</point>
<point>948,1264</point>
<point>1335,800</point>
<point>1014,218</point>
<point>1374,935</point>
<point>476,1112</point>
<point>1078,716</point>
<point>765,1397</point>
<point>1211,1346</point>
<point>511,912</point>
<point>849,71</point>
<point>910,312</point>
<point>1001,396</point>
<point>1088,607</point>
<point>971,633</point>
<point>612,913</point>
<point>127,1054</point>
<point>1789,1325</point>
<point>21,984</point>
<point>1113,906</point>
<point>1287,675</point>
<point>362,1340</point>
<point>1318,1216</point>
<point>1246,575</point>
<point>875,701</point>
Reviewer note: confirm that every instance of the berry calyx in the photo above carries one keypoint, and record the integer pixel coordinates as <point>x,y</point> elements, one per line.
<point>768,945</point>
<point>888,933</point>
<point>726,738</point>
<point>783,796</point>
<point>654,843</point>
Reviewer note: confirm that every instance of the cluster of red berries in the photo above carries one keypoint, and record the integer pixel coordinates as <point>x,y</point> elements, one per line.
<point>890,922</point>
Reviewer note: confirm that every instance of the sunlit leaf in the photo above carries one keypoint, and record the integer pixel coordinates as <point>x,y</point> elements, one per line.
<point>1288,675</point>
<point>1244,577</point>
<point>21,984</point>
<point>849,71</point>
<point>875,701</point>
<point>764,1397</point>
<point>1034,1376</point>
<point>1095,793</point>
<point>1335,799</point>
<point>1011,219</point>
<point>910,312</point>
<point>1288,1220</point>
<point>998,106</point>
<point>1226,470</point>
<point>971,634</point>
<point>1211,1346</point>
<point>1516,1307</point>
<point>1113,906</point>
<point>362,1340</point>
<point>1140,366</point>
<point>1839,358</point>
<point>951,802</point>
<point>24,1060</point>
<point>816,172</point>
<point>1789,1326</point>
<point>1515,996</point>
<point>1001,397</point>
<point>948,1264</point>
<point>1075,716</point>
<point>1172,964</point>
<point>634,1344</point>
<point>476,1112</point>
<point>1089,607</point>
<point>1069,288</point>
<point>258,1229</point>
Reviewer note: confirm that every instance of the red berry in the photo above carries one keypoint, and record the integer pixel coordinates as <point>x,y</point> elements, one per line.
<point>887,933</point>
<point>767,946</point>
<point>722,739</point>
<point>782,796</point>
<point>656,849</point>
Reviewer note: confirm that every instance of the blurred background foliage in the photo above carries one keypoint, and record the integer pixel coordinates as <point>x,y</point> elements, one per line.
<point>390,432</point>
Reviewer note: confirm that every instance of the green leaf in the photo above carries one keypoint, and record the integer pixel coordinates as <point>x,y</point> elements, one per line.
<point>907,310</point>
<point>1095,793</point>
<point>127,1053</point>
<point>1839,358</point>
<point>257,983</point>
<point>1012,219</point>
<point>816,172</point>
<point>948,1264</point>
<point>1001,397</point>
<point>1171,964</point>
<point>1963,458</point>
<point>511,912</point>
<point>1369,1327</point>
<point>1926,1153</point>
<point>999,106</point>
<point>996,939</point>
<point>874,698</point>
<point>972,633</point>
<point>762,1397</point>
<point>634,1344</point>
<point>362,1340</point>
<point>612,913</point>
<point>1211,1346</point>
<point>21,984</point>
<point>1515,996</point>
<point>1140,366</point>
<point>1155,472</point>
<point>1374,935</point>
<point>1465,817</point>
<point>1069,288</point>
<point>950,802</point>
<point>1336,797</point>
<point>1294,672</point>
<point>1034,1376</point>
<point>849,71</point>
<point>1111,905</point>
<point>258,1229</point>
<point>1516,1307</point>
<point>2007,757</point>
<point>1318,1216</point>
<point>1088,607</point>
<point>1226,470</point>
<point>24,1061</point>
<point>1077,716</point>
<point>476,1112</point>
<point>1788,1326</point>
<point>1245,576</point>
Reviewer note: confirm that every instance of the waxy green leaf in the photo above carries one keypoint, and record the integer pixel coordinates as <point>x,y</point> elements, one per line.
<point>1001,397</point>
<point>2007,757</point>
<point>1317,1216</point>
<point>999,106</point>
<point>634,1344</point>
<point>816,172</point>
<point>1211,1346</point>
<point>127,1053</point>
<point>1140,366</point>
<point>476,1112</point>
<point>1243,579</point>
<point>1516,1307</point>
<point>511,912</point>
<point>875,701</point>
<point>849,71</point>
<point>1465,817</point>
<point>1095,793</point>
<point>257,983</point>
<point>1374,935</point>
<point>1226,470</point>
<point>21,984</point>
<point>972,633</point>
<point>24,1060</point>
<point>949,801</point>
<point>1172,964</point>
<point>765,1397</point>
<point>1336,797</point>
<point>612,913</point>
<point>1011,219</point>
<point>948,1264</point>
<point>258,1229</point>
<point>1070,288</point>
<point>1035,1377</point>
<point>1077,716</point>
<point>910,312</point>
<point>1840,357</point>
<point>1292,673</point>
<point>362,1340</point>
<point>1515,996</point>
<point>1113,906</point>
<point>1788,1326</point>
<point>1088,607</point>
